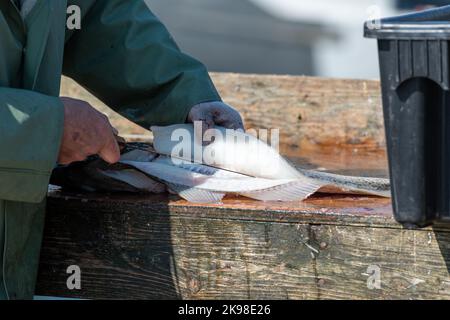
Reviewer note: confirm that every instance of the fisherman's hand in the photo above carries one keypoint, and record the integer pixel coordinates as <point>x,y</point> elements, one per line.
<point>216,113</point>
<point>86,132</point>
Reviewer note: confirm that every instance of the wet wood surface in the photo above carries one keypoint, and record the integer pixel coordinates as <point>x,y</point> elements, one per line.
<point>327,247</point>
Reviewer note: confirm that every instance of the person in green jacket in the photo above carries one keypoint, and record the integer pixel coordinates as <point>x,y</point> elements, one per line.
<point>124,56</point>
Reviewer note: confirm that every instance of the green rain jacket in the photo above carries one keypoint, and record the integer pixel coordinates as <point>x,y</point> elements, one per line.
<point>123,55</point>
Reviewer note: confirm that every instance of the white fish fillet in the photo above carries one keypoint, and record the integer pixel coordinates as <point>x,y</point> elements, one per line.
<point>250,156</point>
<point>196,195</point>
<point>298,189</point>
<point>245,154</point>
<point>177,175</point>
<point>198,183</point>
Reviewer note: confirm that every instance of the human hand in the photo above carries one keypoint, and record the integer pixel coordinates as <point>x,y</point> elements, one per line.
<point>216,113</point>
<point>86,132</point>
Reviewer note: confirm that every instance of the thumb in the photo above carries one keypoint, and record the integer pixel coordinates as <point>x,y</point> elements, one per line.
<point>111,151</point>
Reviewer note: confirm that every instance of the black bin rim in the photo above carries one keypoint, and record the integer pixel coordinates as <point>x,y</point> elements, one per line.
<point>428,24</point>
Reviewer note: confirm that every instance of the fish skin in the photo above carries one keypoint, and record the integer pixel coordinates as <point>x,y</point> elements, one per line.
<point>349,184</point>
<point>136,179</point>
<point>89,175</point>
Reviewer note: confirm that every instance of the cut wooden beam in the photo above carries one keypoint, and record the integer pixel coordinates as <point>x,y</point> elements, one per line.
<point>160,247</point>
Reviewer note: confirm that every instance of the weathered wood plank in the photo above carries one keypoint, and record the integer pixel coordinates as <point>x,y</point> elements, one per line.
<point>311,112</point>
<point>321,208</point>
<point>412,264</point>
<point>162,247</point>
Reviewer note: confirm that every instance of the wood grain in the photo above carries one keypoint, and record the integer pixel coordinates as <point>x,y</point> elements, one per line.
<point>330,122</point>
<point>310,112</point>
<point>160,247</point>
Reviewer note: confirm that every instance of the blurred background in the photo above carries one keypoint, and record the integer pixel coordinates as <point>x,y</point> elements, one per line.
<point>300,37</point>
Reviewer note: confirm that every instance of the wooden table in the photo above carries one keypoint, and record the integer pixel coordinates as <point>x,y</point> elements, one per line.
<point>327,247</point>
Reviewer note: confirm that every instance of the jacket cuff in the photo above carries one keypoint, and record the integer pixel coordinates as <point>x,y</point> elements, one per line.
<point>190,91</point>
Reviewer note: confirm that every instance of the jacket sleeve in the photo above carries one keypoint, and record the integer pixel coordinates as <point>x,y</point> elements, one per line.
<point>30,132</point>
<point>125,56</point>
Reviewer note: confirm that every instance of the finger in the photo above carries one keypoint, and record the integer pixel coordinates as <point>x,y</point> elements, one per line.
<point>206,120</point>
<point>63,160</point>
<point>227,117</point>
<point>235,124</point>
<point>229,121</point>
<point>111,151</point>
<point>121,141</point>
<point>208,123</point>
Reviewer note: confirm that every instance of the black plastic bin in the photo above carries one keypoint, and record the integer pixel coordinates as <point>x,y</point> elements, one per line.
<point>415,79</point>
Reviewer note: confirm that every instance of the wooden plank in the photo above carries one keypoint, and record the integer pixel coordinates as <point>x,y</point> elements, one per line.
<point>412,264</point>
<point>162,247</point>
<point>311,112</point>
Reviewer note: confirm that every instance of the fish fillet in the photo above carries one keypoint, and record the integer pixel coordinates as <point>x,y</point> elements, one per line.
<point>253,157</point>
<point>198,179</point>
<point>237,151</point>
